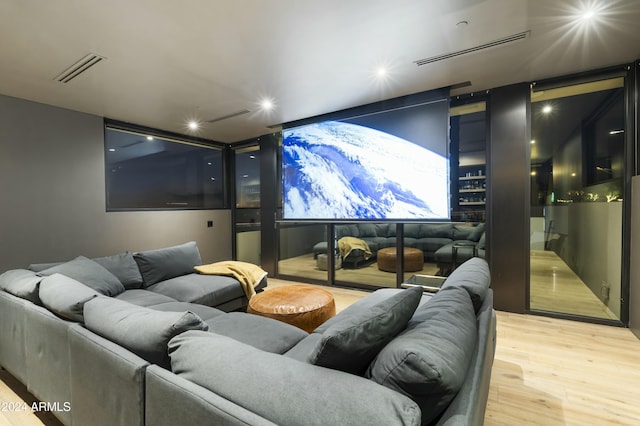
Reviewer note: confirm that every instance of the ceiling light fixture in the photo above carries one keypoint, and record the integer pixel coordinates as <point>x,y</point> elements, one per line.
<point>533,141</point>
<point>616,132</point>
<point>149,138</point>
<point>266,104</point>
<point>193,125</point>
<point>546,109</point>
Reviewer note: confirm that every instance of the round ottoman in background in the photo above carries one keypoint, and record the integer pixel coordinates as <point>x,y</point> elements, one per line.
<point>413,259</point>
<point>303,306</point>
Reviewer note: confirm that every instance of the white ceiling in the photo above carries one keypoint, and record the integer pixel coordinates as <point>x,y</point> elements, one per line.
<point>170,61</point>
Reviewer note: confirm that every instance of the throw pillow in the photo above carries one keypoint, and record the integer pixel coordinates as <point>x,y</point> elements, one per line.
<point>65,296</point>
<point>21,283</point>
<point>90,274</point>
<point>124,267</point>
<point>350,345</point>
<point>474,277</point>
<point>429,360</point>
<point>144,331</point>
<point>166,263</point>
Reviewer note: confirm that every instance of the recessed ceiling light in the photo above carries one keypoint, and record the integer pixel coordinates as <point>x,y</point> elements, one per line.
<point>588,14</point>
<point>266,104</point>
<point>546,109</point>
<point>193,125</point>
<point>382,72</point>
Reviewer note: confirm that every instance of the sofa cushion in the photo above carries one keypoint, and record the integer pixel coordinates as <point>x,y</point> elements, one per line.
<point>205,313</point>
<point>89,273</point>
<point>21,283</point>
<point>65,296</point>
<point>351,341</point>
<point>412,230</point>
<point>282,390</point>
<point>210,290</point>
<point>367,230</point>
<point>124,267</point>
<point>429,360</point>
<point>166,263</point>
<point>260,332</point>
<point>482,242</point>
<point>143,331</point>
<point>462,232</point>
<point>437,230</point>
<point>477,232</point>
<point>350,230</point>
<point>142,297</point>
<point>474,278</point>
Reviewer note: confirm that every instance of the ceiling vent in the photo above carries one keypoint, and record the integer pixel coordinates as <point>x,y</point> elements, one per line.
<point>495,43</point>
<point>228,116</point>
<point>79,67</point>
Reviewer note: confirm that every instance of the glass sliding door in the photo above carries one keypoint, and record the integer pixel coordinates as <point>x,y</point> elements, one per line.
<point>577,176</point>
<point>247,213</point>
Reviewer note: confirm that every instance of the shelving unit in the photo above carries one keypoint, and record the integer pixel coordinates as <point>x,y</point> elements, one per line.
<point>472,190</point>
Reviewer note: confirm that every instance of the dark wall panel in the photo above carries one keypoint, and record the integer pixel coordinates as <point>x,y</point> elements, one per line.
<point>508,196</point>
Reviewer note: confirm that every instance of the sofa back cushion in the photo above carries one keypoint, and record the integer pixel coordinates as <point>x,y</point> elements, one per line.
<point>89,273</point>
<point>350,342</point>
<point>166,263</point>
<point>444,230</point>
<point>124,267</point>
<point>65,296</point>
<point>144,331</point>
<point>429,360</point>
<point>282,390</point>
<point>349,230</point>
<point>21,283</point>
<point>474,277</point>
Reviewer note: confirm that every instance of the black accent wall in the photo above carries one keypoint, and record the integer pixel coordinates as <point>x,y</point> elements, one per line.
<point>508,188</point>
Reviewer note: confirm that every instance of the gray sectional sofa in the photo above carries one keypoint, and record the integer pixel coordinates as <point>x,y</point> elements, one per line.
<point>394,357</point>
<point>436,240</point>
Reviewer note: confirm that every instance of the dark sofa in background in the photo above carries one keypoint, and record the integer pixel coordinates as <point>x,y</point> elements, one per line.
<point>436,240</point>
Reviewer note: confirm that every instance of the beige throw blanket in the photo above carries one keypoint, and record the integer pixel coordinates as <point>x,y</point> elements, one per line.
<point>347,244</point>
<point>248,274</point>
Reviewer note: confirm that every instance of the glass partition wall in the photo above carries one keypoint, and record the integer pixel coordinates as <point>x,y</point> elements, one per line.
<point>577,175</point>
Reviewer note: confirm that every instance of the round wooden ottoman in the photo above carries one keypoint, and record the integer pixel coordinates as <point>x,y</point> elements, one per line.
<point>413,259</point>
<point>304,306</point>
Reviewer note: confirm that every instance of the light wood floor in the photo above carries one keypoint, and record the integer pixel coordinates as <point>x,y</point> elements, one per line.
<point>556,288</point>
<point>546,372</point>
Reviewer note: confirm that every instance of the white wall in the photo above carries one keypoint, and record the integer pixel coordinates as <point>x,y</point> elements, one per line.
<point>52,195</point>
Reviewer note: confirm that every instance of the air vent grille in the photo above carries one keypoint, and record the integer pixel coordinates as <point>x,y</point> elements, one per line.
<point>495,43</point>
<point>79,67</point>
<point>228,116</point>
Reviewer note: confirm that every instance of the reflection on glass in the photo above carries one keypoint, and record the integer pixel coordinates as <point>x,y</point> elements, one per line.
<point>302,251</point>
<point>468,162</point>
<point>577,169</point>
<point>358,246</point>
<point>153,172</point>
<point>248,177</point>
